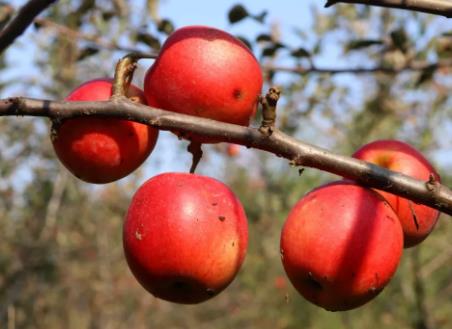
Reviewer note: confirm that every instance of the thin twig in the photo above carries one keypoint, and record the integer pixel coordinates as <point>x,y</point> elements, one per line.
<point>413,66</point>
<point>95,40</point>
<point>436,7</point>
<point>299,153</point>
<point>24,18</point>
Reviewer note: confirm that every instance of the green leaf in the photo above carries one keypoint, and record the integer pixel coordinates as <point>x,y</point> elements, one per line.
<point>361,43</point>
<point>237,13</point>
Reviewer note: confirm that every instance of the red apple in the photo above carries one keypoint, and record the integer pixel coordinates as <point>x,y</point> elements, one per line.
<point>102,150</point>
<point>233,150</point>
<point>417,220</point>
<point>185,237</point>
<point>340,245</point>
<point>206,72</point>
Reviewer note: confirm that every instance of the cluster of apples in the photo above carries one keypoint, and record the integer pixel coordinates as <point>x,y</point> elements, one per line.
<point>200,71</point>
<point>342,242</point>
<point>185,235</point>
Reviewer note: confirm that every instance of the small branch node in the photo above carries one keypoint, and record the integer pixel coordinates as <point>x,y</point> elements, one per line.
<point>124,73</point>
<point>269,103</point>
<point>297,161</point>
<point>432,183</point>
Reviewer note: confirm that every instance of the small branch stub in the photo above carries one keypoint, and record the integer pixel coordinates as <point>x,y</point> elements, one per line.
<point>269,103</point>
<point>195,149</point>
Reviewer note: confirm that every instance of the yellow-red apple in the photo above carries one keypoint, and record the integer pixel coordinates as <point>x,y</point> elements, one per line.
<point>417,220</point>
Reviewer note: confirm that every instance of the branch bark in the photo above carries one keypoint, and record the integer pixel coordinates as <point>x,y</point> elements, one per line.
<point>299,153</point>
<point>436,7</point>
<point>24,18</point>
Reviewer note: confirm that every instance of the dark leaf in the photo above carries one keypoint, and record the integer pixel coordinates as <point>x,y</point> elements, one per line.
<point>165,26</point>
<point>107,15</point>
<point>264,38</point>
<point>261,17</point>
<point>425,76</point>
<point>447,34</point>
<point>300,52</point>
<point>362,43</point>
<point>237,13</point>
<point>245,41</point>
<point>148,39</point>
<point>87,52</point>
<point>400,39</point>
<point>271,50</point>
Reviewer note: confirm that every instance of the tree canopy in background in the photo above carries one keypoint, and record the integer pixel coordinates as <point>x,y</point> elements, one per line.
<point>357,74</point>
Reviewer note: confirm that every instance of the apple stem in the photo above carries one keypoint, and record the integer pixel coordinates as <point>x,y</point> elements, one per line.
<point>124,73</point>
<point>195,149</point>
<point>269,111</point>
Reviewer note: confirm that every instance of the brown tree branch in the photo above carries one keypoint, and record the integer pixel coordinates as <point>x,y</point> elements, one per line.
<point>19,24</point>
<point>299,153</point>
<point>437,7</point>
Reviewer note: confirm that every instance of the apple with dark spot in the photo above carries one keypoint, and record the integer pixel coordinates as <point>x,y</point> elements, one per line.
<point>417,220</point>
<point>185,237</point>
<point>340,245</point>
<point>205,72</point>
